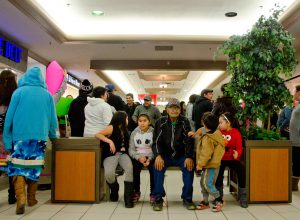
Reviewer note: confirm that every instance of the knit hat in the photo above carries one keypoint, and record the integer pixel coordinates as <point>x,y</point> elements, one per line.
<point>86,87</point>
<point>173,102</point>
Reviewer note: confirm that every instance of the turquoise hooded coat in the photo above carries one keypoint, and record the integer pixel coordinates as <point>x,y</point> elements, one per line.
<point>31,114</point>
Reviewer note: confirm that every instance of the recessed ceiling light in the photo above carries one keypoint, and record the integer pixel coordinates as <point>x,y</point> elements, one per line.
<point>230,14</point>
<point>97,13</point>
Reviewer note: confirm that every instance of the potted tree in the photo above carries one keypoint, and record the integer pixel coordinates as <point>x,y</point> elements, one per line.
<point>257,62</point>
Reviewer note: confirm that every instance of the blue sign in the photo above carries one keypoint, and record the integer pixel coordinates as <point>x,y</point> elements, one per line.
<point>73,81</point>
<point>10,50</point>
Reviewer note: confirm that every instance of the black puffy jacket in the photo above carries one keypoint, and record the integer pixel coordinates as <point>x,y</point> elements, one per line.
<point>171,139</point>
<point>201,106</point>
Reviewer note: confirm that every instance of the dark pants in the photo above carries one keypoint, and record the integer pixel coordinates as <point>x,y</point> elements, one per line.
<point>296,161</point>
<point>238,167</point>
<point>187,176</point>
<point>137,167</point>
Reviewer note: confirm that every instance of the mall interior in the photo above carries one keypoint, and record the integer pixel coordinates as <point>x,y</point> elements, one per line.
<point>162,49</point>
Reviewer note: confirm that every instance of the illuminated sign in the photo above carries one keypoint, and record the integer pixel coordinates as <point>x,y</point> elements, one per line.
<point>10,50</point>
<point>73,81</point>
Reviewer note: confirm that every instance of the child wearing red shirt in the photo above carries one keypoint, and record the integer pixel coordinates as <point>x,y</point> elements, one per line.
<point>233,151</point>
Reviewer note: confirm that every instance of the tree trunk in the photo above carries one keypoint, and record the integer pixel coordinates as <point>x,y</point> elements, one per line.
<point>269,121</point>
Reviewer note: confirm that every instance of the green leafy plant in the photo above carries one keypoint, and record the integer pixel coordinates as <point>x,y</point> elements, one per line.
<point>257,133</point>
<point>257,62</point>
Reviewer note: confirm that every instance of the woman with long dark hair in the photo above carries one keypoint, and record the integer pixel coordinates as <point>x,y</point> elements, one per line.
<point>115,145</point>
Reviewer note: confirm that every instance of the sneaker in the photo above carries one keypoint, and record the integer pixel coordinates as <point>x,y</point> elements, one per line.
<point>158,204</point>
<point>136,196</point>
<point>152,199</point>
<point>189,204</point>
<point>202,205</point>
<point>217,206</point>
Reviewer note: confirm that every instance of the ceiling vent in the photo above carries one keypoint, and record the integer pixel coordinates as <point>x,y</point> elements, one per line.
<point>163,48</point>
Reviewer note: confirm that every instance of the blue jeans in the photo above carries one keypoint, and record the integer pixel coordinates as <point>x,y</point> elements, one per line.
<point>187,176</point>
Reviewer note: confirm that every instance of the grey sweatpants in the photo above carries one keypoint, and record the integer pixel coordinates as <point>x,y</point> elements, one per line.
<point>207,182</point>
<point>110,164</point>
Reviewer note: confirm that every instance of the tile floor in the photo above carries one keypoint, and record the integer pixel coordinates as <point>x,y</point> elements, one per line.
<point>143,211</point>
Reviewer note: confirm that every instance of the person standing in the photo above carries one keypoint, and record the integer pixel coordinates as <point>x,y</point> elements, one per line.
<point>114,100</point>
<point>26,131</point>
<point>189,110</point>
<point>283,121</point>
<point>224,104</point>
<point>202,104</point>
<point>76,111</point>
<point>130,108</point>
<point>147,108</point>
<point>295,139</point>
<point>210,150</point>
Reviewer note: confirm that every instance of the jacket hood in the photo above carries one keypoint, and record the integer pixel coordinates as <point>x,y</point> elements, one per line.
<point>217,136</point>
<point>32,77</point>
<point>201,99</point>
<point>94,101</point>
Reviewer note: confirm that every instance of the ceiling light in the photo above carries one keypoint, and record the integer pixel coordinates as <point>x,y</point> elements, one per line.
<point>230,14</point>
<point>163,85</point>
<point>205,79</point>
<point>119,79</point>
<point>97,13</point>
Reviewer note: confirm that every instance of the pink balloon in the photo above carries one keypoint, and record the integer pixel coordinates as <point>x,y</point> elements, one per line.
<point>54,77</point>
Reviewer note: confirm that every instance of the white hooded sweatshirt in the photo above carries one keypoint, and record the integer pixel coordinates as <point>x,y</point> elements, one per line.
<point>98,115</point>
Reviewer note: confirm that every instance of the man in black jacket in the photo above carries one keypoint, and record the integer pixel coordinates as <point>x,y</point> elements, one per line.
<point>173,147</point>
<point>130,108</point>
<point>202,104</point>
<point>76,111</point>
<point>114,100</point>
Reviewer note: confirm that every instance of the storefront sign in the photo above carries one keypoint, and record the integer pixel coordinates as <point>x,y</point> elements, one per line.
<point>12,55</point>
<point>10,50</point>
<point>73,81</point>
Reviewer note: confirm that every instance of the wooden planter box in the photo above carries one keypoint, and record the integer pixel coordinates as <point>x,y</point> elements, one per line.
<point>76,173</point>
<point>268,171</point>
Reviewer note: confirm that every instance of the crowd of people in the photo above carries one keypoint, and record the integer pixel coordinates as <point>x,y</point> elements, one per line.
<point>203,137</point>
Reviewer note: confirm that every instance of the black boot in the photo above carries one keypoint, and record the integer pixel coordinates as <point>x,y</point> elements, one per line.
<point>114,191</point>
<point>11,192</point>
<point>128,192</point>
<point>243,197</point>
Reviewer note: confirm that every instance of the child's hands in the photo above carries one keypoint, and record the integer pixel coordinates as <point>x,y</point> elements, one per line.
<point>191,134</point>
<point>146,163</point>
<point>198,168</point>
<point>235,154</point>
<point>142,159</point>
<point>112,147</point>
<point>198,171</point>
<point>123,149</point>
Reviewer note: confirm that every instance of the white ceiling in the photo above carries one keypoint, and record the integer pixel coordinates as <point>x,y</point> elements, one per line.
<point>154,19</point>
<point>130,30</point>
